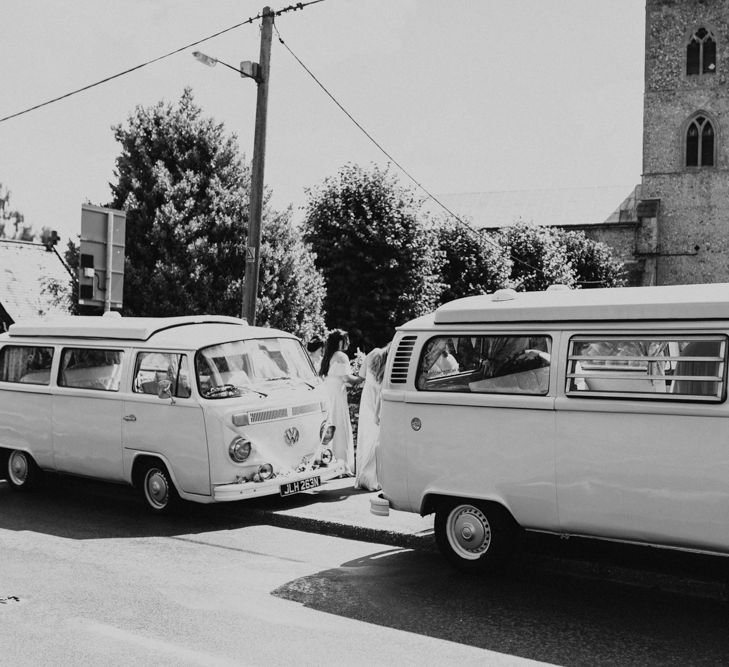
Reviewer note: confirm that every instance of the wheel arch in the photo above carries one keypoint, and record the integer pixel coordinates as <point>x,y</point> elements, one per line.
<point>141,460</point>
<point>433,499</point>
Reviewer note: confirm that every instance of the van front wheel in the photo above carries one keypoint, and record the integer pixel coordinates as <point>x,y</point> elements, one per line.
<point>21,471</point>
<point>473,536</point>
<point>158,491</point>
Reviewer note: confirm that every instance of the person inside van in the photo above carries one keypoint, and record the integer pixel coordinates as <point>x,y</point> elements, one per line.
<point>444,364</point>
<point>708,367</point>
<point>513,354</point>
<point>516,364</point>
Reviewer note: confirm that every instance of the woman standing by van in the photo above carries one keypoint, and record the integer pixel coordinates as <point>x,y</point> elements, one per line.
<point>368,429</point>
<point>337,374</point>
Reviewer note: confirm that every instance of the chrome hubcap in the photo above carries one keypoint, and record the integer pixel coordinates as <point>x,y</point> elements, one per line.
<point>156,487</point>
<point>18,468</point>
<point>469,532</point>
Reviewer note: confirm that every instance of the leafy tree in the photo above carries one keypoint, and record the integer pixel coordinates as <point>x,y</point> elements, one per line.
<point>293,291</point>
<point>473,263</point>
<point>59,294</point>
<point>593,262</point>
<point>185,190</point>
<point>71,257</point>
<point>543,256</point>
<point>12,222</point>
<point>539,259</point>
<point>379,260</point>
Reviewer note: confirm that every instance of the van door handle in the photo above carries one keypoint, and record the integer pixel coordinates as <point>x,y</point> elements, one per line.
<point>130,418</point>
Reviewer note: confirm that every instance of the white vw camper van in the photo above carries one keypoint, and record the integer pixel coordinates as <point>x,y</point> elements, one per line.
<point>203,408</point>
<point>600,413</point>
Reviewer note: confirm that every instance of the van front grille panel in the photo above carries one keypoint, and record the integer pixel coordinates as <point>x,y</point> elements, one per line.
<point>267,415</point>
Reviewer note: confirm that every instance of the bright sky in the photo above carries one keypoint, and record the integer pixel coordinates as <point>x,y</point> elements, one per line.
<point>472,96</point>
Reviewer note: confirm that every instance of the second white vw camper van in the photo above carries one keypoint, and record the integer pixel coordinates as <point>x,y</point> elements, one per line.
<point>600,413</point>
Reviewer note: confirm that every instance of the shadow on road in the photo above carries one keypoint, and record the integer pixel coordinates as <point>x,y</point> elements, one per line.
<point>557,618</point>
<point>80,508</point>
<point>85,509</point>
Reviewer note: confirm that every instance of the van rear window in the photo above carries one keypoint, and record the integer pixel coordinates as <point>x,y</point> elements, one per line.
<point>486,364</point>
<point>659,367</point>
<point>26,364</point>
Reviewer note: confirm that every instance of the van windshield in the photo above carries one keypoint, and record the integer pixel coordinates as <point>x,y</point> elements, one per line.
<point>242,366</point>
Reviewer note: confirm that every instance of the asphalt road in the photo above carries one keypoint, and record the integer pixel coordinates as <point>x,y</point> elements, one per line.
<point>87,577</point>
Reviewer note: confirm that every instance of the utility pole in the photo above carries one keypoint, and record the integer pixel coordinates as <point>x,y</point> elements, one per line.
<point>253,242</point>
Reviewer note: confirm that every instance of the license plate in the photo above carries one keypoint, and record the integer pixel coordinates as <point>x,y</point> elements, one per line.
<point>299,486</point>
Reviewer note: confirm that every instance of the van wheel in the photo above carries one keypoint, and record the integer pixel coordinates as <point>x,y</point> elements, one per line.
<point>474,536</point>
<point>158,491</point>
<point>21,471</point>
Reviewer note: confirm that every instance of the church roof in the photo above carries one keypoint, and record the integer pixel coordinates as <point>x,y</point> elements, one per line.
<point>27,273</point>
<point>550,208</point>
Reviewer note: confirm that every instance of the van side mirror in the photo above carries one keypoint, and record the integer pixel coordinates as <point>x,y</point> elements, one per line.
<point>164,389</point>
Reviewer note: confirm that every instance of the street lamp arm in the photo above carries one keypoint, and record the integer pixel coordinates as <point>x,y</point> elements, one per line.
<point>235,69</point>
<point>212,62</point>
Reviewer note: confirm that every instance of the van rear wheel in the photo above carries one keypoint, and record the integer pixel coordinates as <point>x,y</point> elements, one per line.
<point>20,470</point>
<point>474,536</point>
<point>157,489</point>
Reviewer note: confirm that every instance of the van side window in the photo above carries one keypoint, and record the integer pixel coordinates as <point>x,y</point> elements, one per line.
<point>152,367</point>
<point>90,368</point>
<point>662,367</point>
<point>486,364</point>
<point>25,363</point>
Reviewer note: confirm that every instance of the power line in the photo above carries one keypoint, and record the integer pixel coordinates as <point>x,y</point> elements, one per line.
<point>394,161</point>
<point>298,5</point>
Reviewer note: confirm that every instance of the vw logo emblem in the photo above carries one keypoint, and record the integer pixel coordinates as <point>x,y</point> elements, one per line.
<point>291,436</point>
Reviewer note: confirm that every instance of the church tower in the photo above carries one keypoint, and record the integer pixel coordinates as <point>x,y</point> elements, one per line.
<point>685,187</point>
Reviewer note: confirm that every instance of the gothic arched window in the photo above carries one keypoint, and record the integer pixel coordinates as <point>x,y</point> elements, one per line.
<point>701,53</point>
<point>700,143</point>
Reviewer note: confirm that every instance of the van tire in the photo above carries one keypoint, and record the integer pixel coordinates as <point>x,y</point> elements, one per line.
<point>474,536</point>
<point>157,489</point>
<point>20,470</point>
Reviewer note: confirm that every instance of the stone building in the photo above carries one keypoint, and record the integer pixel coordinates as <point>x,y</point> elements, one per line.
<point>673,228</point>
<point>685,189</point>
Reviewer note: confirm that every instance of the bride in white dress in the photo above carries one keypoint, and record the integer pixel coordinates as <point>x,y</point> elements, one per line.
<point>337,374</point>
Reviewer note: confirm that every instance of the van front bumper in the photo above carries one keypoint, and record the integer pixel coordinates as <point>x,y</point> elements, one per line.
<point>228,492</point>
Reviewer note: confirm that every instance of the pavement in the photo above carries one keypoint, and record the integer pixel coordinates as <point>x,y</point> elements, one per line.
<point>338,509</point>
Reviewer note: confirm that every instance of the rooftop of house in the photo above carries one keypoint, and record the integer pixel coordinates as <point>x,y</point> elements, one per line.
<point>550,208</point>
<point>34,282</point>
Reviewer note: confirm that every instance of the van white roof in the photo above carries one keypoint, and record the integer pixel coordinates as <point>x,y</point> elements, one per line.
<point>114,327</point>
<point>673,302</point>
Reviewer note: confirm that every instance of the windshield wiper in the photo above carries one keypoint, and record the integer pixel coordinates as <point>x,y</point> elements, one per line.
<point>223,388</point>
<point>288,377</point>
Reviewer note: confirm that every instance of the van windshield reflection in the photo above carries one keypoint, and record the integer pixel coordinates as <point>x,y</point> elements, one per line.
<point>232,369</point>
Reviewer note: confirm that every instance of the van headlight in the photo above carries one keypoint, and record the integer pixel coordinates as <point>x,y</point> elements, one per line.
<point>326,456</point>
<point>239,449</point>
